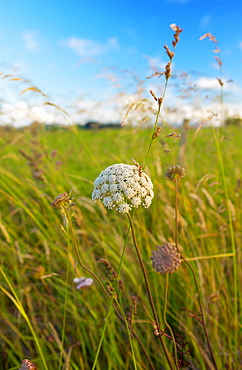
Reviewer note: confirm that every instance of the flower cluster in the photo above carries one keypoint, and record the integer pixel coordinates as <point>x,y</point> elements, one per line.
<point>165,259</point>
<point>27,365</point>
<point>122,186</point>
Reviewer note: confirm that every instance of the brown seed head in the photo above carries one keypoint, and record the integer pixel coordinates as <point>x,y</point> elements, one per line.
<point>153,94</point>
<point>165,259</point>
<point>168,70</point>
<point>168,52</point>
<point>61,200</point>
<point>175,173</point>
<point>27,365</point>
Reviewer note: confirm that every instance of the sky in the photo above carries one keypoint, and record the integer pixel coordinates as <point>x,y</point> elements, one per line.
<point>92,58</point>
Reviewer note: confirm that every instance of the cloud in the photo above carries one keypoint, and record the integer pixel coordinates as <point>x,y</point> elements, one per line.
<point>240,45</point>
<point>31,42</point>
<point>89,48</point>
<point>207,83</point>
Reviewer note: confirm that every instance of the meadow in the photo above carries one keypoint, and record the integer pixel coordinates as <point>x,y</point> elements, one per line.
<point>133,266</point>
<point>45,319</point>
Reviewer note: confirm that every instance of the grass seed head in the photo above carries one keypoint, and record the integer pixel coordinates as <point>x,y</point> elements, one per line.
<point>165,259</point>
<point>175,173</point>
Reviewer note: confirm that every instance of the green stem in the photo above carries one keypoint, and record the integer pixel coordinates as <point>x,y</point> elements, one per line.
<point>232,237</point>
<point>102,287</point>
<point>167,324</point>
<point>167,354</point>
<point>65,307</point>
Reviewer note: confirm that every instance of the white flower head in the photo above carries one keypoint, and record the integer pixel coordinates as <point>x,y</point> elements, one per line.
<point>123,186</point>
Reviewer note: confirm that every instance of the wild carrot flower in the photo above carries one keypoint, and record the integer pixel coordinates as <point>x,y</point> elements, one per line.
<point>122,186</point>
<point>175,173</point>
<point>27,365</point>
<point>165,259</point>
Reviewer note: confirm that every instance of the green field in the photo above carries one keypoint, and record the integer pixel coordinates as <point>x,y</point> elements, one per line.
<point>45,319</point>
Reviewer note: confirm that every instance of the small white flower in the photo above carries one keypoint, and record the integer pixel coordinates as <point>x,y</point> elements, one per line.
<point>136,201</point>
<point>122,186</point>
<point>118,197</point>
<point>114,188</point>
<point>82,282</point>
<point>108,202</point>
<point>124,208</point>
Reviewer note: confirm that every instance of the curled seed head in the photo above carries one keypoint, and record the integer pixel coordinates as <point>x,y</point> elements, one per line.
<point>61,200</point>
<point>165,259</point>
<point>175,173</point>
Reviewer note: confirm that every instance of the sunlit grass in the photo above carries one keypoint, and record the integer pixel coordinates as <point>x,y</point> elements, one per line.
<point>33,245</point>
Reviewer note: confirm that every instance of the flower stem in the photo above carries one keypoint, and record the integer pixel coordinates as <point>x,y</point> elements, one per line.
<point>167,324</point>
<point>167,354</point>
<point>110,299</point>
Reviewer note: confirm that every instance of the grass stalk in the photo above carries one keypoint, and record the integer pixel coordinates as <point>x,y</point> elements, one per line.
<point>14,298</point>
<point>166,322</point>
<point>232,238</point>
<point>194,277</point>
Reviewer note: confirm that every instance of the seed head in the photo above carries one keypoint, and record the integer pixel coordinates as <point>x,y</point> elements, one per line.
<point>61,200</point>
<point>165,259</point>
<point>175,173</point>
<point>27,365</point>
<point>122,187</point>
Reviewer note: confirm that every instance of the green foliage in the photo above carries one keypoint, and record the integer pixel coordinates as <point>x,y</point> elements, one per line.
<point>36,166</point>
<point>234,121</point>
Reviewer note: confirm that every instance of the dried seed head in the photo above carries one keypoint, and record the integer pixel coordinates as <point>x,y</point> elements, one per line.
<point>168,70</point>
<point>122,187</point>
<point>165,259</point>
<point>156,133</point>
<point>112,274</point>
<point>27,365</point>
<point>168,52</point>
<point>175,173</point>
<point>61,200</point>
<point>153,94</point>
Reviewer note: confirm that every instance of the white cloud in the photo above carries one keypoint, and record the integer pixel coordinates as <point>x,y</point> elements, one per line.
<point>89,48</point>
<point>31,42</point>
<point>240,45</point>
<point>207,83</point>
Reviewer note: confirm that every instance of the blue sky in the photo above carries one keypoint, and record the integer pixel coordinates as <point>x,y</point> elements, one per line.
<point>78,52</point>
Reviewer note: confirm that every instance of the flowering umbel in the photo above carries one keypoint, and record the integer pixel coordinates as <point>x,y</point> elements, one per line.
<point>122,187</point>
<point>165,259</point>
<point>175,173</point>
